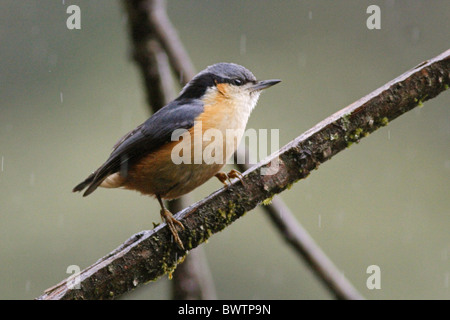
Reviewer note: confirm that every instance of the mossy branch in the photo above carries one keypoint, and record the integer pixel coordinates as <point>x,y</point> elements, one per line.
<point>149,255</point>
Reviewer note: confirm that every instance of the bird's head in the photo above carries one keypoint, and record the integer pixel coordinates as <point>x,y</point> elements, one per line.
<point>227,81</point>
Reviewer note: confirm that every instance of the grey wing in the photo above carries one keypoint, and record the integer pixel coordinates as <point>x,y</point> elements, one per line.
<point>146,138</point>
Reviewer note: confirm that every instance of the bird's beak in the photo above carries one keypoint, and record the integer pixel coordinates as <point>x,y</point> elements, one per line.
<point>264,84</point>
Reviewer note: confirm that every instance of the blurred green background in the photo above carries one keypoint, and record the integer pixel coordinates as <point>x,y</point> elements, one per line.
<point>68,95</point>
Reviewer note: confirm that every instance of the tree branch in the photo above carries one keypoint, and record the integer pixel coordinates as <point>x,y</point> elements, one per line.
<point>187,280</point>
<point>150,254</point>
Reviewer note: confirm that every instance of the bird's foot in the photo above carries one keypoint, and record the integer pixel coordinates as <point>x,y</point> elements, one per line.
<point>172,223</point>
<point>225,178</point>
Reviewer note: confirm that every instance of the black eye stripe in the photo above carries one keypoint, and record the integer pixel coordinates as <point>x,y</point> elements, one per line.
<point>233,81</point>
<point>237,82</point>
<point>197,87</point>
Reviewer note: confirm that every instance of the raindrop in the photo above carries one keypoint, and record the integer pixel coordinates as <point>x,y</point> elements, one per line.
<point>8,127</point>
<point>27,286</point>
<point>415,34</point>
<point>444,254</point>
<point>32,179</point>
<point>320,221</point>
<point>126,119</point>
<point>61,97</point>
<point>390,3</point>
<point>124,19</point>
<point>2,163</point>
<point>35,30</point>
<point>340,219</point>
<point>447,164</point>
<point>310,15</point>
<point>52,60</point>
<point>61,221</point>
<point>243,44</point>
<point>181,77</point>
<point>302,60</point>
<point>389,134</point>
<point>277,278</point>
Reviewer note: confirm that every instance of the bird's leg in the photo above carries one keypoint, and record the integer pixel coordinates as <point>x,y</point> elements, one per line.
<point>171,222</point>
<point>224,177</point>
<point>236,174</point>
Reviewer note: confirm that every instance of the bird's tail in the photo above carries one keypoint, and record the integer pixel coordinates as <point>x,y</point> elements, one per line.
<point>87,182</point>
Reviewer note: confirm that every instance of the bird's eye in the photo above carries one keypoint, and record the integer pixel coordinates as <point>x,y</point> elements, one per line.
<point>237,82</point>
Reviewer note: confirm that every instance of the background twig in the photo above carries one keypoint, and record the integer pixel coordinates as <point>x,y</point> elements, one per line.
<point>299,239</point>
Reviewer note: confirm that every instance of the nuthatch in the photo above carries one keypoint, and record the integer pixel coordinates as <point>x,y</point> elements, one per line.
<point>221,97</point>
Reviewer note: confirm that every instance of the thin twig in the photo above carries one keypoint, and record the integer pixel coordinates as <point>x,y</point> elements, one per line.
<point>150,254</point>
<point>300,240</point>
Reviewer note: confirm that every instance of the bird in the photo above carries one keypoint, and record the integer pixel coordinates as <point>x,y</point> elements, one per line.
<point>219,99</point>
